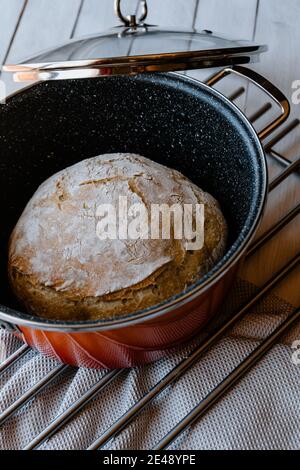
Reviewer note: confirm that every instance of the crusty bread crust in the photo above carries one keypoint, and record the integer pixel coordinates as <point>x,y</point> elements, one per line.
<point>60,269</point>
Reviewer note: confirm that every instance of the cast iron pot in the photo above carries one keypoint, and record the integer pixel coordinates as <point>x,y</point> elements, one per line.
<point>169,118</point>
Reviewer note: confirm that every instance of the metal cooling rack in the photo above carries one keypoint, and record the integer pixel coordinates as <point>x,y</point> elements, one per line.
<point>178,371</point>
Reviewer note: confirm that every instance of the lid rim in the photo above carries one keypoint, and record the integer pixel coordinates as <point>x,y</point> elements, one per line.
<point>184,50</point>
<point>137,59</point>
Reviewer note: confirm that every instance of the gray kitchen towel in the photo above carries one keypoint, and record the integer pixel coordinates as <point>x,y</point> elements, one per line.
<point>261,412</point>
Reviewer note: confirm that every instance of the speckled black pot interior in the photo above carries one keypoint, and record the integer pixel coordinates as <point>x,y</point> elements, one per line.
<point>167,118</point>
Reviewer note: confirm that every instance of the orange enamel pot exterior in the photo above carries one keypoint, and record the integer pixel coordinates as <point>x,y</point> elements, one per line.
<point>134,345</point>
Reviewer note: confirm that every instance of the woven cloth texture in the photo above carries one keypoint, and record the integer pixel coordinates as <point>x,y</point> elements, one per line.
<point>261,412</point>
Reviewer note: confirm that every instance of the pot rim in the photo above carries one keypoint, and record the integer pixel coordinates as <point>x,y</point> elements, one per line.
<point>14,317</point>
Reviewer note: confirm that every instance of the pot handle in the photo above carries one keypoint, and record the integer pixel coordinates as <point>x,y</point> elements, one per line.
<point>263,84</point>
<point>131,20</point>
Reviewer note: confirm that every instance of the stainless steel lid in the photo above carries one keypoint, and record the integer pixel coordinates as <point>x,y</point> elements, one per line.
<point>135,48</point>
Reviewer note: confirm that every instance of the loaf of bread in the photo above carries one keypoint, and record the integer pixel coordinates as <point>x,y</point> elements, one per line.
<point>59,268</point>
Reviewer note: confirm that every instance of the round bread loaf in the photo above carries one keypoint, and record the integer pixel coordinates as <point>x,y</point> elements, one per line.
<point>59,268</point>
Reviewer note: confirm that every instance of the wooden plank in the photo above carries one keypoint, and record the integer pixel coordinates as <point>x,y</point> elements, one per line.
<point>170,13</point>
<point>97,16</point>
<point>10,14</point>
<point>283,247</point>
<point>234,19</point>
<point>278,27</point>
<point>43,25</point>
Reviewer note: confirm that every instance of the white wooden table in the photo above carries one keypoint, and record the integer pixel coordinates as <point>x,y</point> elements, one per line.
<point>29,26</point>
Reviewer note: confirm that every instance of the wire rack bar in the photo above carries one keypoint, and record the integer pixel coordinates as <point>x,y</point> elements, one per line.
<point>15,357</point>
<point>292,168</point>
<point>64,417</point>
<point>291,215</point>
<point>281,135</point>
<point>236,94</point>
<point>219,391</point>
<point>32,392</point>
<point>260,112</point>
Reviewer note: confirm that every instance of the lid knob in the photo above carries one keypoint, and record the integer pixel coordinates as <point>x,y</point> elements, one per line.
<point>131,20</point>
